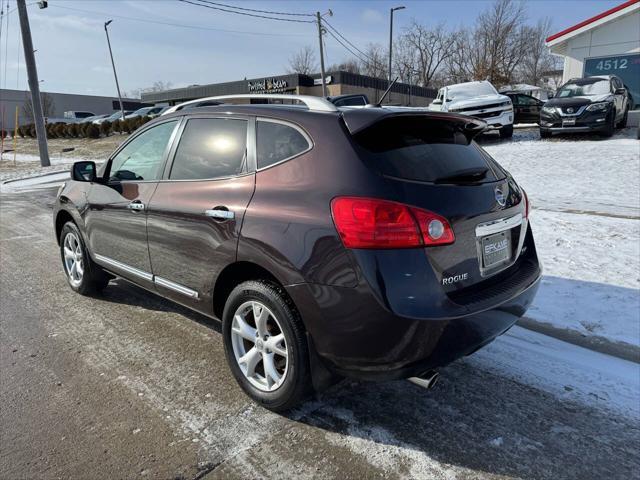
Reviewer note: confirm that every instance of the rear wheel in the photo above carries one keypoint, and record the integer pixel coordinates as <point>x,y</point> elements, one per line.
<point>506,132</point>
<point>266,346</point>
<point>83,275</point>
<point>545,134</point>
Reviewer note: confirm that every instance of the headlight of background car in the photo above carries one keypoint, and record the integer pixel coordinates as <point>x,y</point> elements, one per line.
<point>598,107</point>
<point>549,110</point>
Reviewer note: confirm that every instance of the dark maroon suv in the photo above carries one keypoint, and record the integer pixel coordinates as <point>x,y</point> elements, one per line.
<point>372,243</point>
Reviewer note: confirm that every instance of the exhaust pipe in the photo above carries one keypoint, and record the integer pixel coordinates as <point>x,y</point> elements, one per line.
<point>426,380</point>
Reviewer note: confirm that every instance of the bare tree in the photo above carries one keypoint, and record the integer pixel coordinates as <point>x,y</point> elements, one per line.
<point>374,61</point>
<point>350,65</point>
<point>537,59</point>
<point>303,62</point>
<point>429,47</point>
<point>158,86</point>
<point>48,106</point>
<point>494,48</point>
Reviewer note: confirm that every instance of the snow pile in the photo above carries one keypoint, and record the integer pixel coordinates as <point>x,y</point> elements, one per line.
<point>586,221</point>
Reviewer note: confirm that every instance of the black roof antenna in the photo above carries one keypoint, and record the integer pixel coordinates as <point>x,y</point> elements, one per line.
<point>386,92</point>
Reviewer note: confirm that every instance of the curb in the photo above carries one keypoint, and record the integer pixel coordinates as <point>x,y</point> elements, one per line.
<point>622,350</point>
<point>39,175</point>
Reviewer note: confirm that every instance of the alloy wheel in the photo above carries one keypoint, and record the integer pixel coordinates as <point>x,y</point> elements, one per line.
<point>259,346</point>
<point>73,259</point>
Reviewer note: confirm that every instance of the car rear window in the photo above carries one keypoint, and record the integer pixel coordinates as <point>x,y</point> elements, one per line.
<point>422,149</point>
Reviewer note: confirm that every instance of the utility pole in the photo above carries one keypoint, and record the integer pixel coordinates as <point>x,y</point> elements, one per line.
<point>324,85</point>
<point>391,35</point>
<point>106,24</point>
<point>34,85</point>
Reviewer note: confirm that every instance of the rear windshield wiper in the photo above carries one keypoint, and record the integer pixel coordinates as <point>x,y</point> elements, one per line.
<point>467,175</point>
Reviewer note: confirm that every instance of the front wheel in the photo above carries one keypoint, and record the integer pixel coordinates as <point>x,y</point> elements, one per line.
<point>609,130</point>
<point>265,345</point>
<point>623,122</point>
<point>83,275</point>
<point>506,132</point>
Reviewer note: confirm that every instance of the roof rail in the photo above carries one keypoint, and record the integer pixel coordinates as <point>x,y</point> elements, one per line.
<point>317,104</point>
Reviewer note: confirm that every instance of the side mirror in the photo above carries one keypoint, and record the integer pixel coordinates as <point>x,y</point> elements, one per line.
<point>621,91</point>
<point>550,96</point>
<point>84,171</point>
<point>449,100</point>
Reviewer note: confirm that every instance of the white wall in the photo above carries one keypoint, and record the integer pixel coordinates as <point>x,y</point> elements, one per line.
<point>617,37</point>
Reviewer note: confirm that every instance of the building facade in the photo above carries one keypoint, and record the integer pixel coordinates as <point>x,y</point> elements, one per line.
<point>607,44</point>
<point>59,103</point>
<point>338,83</point>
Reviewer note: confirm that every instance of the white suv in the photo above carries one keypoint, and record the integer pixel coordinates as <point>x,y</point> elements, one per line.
<point>480,100</point>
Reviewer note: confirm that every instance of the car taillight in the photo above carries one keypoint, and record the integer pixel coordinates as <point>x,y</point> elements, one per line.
<point>372,223</point>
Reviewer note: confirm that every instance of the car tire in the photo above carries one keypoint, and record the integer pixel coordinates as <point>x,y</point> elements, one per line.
<point>506,132</point>
<point>272,379</point>
<point>609,130</point>
<point>625,117</point>
<point>83,275</point>
<point>545,134</point>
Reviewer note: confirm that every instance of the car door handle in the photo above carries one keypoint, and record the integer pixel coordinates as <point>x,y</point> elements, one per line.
<point>219,213</point>
<point>136,205</point>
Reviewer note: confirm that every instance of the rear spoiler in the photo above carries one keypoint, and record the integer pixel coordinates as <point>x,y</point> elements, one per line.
<point>359,119</point>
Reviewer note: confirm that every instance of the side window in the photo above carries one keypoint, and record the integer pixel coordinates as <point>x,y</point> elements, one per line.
<point>210,148</point>
<point>142,158</point>
<point>526,100</point>
<point>277,142</point>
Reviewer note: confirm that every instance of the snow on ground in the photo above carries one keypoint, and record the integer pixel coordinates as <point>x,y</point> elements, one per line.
<point>583,173</point>
<point>564,370</point>
<point>585,194</point>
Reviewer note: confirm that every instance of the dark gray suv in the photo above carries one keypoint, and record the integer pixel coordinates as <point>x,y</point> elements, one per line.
<point>368,242</point>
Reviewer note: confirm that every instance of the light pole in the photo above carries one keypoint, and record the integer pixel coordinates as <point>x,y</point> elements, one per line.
<point>391,35</point>
<point>106,24</point>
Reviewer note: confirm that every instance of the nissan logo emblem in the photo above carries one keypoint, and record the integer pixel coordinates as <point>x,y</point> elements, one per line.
<point>570,110</point>
<point>500,197</point>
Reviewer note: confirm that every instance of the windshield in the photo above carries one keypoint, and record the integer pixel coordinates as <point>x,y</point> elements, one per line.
<point>462,92</point>
<point>584,87</point>
<point>142,111</point>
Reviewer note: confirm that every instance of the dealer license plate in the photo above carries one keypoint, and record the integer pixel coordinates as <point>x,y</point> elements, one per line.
<point>568,122</point>
<point>496,249</point>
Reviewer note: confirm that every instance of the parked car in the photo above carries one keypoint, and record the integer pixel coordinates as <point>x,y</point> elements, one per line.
<point>592,104</point>
<point>76,115</point>
<point>95,117</point>
<point>349,100</point>
<point>368,243</point>
<point>480,100</point>
<point>151,112</point>
<point>113,117</point>
<point>526,109</point>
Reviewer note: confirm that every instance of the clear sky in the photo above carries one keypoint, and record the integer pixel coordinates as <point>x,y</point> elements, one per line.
<point>72,53</point>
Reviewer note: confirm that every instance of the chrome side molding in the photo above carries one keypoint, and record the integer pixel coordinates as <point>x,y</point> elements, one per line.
<point>163,282</point>
<point>176,287</point>
<point>124,267</point>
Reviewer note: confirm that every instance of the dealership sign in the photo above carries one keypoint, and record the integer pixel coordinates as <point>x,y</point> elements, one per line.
<point>268,85</point>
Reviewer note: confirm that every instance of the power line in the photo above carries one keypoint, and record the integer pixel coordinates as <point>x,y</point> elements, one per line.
<point>344,38</point>
<point>258,11</point>
<point>180,25</point>
<point>245,13</point>
<point>366,62</point>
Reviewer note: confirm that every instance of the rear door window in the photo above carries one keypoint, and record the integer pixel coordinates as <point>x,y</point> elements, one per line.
<point>278,141</point>
<point>423,149</point>
<point>210,148</point>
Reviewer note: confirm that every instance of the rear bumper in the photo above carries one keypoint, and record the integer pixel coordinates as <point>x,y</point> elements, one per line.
<point>357,336</point>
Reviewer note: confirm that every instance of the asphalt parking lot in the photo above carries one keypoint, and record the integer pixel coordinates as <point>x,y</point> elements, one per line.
<point>127,385</point>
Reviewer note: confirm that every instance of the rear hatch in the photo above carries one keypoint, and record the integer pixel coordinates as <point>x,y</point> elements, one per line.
<point>430,161</point>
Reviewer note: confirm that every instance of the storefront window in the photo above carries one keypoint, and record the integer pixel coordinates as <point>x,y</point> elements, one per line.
<point>627,67</point>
